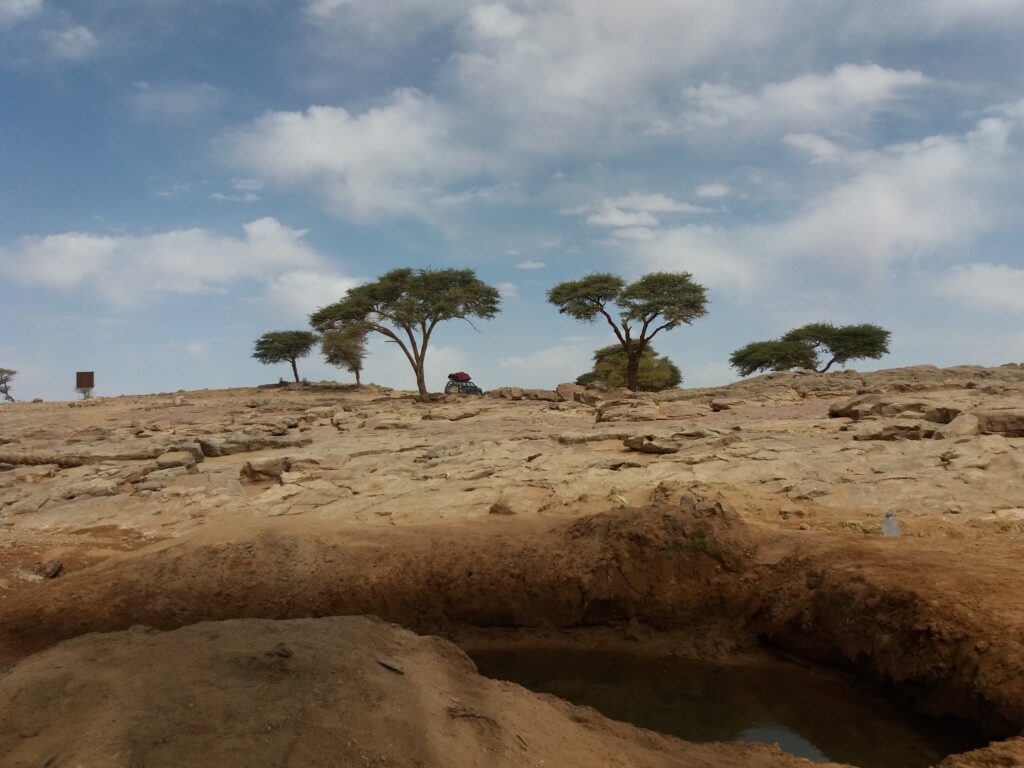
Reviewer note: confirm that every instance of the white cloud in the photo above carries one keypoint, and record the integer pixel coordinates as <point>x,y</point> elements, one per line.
<point>14,11</point>
<point>987,287</point>
<point>244,191</point>
<point>508,290</point>
<point>850,93</point>
<point>72,44</point>
<point>301,292</point>
<point>550,366</point>
<point>175,102</point>
<point>531,264</point>
<point>715,189</point>
<point>616,217</point>
<point>124,269</point>
<point>391,159</point>
<point>497,21</point>
<point>818,148</point>
<point>657,203</point>
<point>906,202</point>
<point>198,347</point>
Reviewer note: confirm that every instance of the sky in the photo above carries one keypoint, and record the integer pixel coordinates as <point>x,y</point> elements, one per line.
<point>179,177</point>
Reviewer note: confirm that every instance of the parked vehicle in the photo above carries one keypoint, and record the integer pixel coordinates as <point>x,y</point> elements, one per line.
<point>460,383</point>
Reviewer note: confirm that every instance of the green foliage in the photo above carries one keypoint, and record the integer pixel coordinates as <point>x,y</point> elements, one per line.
<point>772,356</point>
<point>636,312</point>
<point>284,347</point>
<point>405,306</point>
<point>345,348</point>
<point>805,346</point>
<point>653,374</point>
<point>6,376</point>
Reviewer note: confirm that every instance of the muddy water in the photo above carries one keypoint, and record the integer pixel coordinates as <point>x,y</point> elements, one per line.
<point>807,713</point>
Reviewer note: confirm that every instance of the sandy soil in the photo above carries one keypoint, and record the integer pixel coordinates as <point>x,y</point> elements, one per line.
<point>515,518</point>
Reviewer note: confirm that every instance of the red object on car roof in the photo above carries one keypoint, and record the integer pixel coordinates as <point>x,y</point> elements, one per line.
<point>459,376</point>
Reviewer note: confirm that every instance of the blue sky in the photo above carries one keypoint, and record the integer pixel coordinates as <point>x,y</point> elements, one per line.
<point>177,177</point>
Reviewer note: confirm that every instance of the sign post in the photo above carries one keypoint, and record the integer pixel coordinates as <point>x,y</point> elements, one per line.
<point>85,382</point>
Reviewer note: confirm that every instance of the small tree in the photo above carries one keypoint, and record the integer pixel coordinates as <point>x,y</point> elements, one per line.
<point>345,348</point>
<point>6,375</point>
<point>653,374</point>
<point>405,306</point>
<point>284,347</point>
<point>805,346</point>
<point>657,302</point>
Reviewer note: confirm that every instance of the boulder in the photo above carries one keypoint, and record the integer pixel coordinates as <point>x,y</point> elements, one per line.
<point>507,393</point>
<point>578,438</point>
<point>88,488</point>
<point>175,459</point>
<point>725,403</point>
<point>894,429</point>
<point>224,445</point>
<point>1008,422</point>
<point>651,444</point>
<point>545,395</point>
<point>269,468</point>
<point>964,425</point>
<point>570,393</point>
<point>627,410</point>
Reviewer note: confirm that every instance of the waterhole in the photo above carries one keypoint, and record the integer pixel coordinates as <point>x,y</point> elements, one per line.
<point>808,713</point>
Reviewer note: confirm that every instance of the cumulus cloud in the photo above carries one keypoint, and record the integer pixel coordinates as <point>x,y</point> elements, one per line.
<point>715,189</point>
<point>497,21</point>
<point>987,287</point>
<point>14,11</point>
<point>174,102</point>
<point>301,292</point>
<point>72,44</point>
<point>531,264</point>
<point>126,269</point>
<point>908,201</point>
<point>242,191</point>
<point>849,93</point>
<point>391,159</point>
<point>508,290</point>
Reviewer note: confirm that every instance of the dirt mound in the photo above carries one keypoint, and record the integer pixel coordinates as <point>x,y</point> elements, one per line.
<point>947,639</point>
<point>315,692</point>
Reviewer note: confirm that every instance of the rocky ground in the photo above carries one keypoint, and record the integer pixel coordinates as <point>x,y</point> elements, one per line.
<point>696,522</point>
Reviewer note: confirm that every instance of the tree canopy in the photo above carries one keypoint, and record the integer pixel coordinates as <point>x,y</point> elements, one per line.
<point>653,374</point>
<point>6,375</point>
<point>284,347</point>
<point>406,305</point>
<point>636,312</point>
<point>345,348</point>
<point>806,346</point>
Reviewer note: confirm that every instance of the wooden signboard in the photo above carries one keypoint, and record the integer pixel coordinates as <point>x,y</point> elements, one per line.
<point>85,380</point>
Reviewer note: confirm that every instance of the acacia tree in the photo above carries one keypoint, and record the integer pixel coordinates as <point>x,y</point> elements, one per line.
<point>636,312</point>
<point>345,348</point>
<point>654,373</point>
<point>284,347</point>
<point>804,347</point>
<point>405,306</point>
<point>6,375</point>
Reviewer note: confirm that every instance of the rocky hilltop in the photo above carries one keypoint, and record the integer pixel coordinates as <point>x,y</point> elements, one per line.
<point>705,521</point>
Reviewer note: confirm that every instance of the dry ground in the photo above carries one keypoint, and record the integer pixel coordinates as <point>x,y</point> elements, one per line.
<point>488,520</point>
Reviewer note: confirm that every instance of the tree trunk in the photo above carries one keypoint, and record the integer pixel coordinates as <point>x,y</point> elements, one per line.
<point>295,370</point>
<point>632,369</point>
<point>421,384</point>
<point>825,369</point>
<point>358,382</point>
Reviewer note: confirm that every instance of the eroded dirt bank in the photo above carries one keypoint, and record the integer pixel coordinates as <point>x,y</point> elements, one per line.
<point>696,522</point>
<point>938,625</point>
<point>310,693</point>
